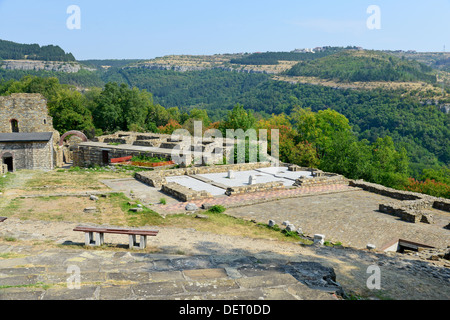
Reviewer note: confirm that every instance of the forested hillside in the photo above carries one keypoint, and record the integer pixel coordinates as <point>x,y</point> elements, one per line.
<point>17,51</point>
<point>269,58</point>
<point>364,66</point>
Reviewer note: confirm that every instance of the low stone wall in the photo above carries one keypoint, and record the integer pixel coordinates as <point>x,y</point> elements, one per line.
<point>385,191</point>
<point>325,179</point>
<point>409,215</point>
<point>442,204</point>
<point>183,193</point>
<point>269,186</point>
<point>411,201</point>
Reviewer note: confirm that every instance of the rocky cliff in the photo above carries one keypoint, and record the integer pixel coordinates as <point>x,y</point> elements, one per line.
<point>36,65</point>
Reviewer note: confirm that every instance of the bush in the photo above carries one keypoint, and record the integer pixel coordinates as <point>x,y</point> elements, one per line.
<point>217,209</point>
<point>430,187</point>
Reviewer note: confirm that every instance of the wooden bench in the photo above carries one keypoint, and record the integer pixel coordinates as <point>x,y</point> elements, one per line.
<point>98,233</point>
<point>3,219</point>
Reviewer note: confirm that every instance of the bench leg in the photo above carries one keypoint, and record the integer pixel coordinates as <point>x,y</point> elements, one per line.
<point>89,238</point>
<point>143,243</point>
<point>99,239</point>
<point>132,239</point>
<point>133,243</point>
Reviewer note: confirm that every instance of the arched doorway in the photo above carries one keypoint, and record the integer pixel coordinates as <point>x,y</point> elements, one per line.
<point>7,159</point>
<point>79,134</point>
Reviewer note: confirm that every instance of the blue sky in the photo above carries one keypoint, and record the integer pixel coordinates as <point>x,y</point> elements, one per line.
<point>141,29</point>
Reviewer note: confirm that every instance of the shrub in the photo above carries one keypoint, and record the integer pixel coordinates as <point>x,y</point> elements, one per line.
<point>430,187</point>
<point>217,209</point>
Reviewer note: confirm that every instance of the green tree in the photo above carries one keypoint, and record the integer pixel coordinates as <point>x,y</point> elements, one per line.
<point>239,118</point>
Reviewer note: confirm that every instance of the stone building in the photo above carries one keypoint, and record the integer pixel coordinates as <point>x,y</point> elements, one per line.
<point>27,137</point>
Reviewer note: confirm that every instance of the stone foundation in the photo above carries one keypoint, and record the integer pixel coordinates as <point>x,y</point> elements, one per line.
<point>405,214</point>
<point>258,187</point>
<point>412,203</point>
<point>385,191</point>
<point>157,178</point>
<point>183,193</point>
<point>320,179</point>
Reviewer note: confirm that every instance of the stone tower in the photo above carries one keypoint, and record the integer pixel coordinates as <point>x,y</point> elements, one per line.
<point>24,112</point>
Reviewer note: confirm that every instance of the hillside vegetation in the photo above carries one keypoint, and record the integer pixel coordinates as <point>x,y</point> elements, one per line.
<point>362,65</point>
<point>17,51</point>
<point>272,58</point>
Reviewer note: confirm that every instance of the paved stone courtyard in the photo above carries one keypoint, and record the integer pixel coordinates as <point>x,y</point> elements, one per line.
<point>351,218</point>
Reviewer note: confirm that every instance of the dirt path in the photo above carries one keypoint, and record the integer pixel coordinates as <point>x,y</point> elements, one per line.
<point>402,277</point>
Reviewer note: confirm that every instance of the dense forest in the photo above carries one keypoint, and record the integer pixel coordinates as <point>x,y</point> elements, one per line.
<point>352,66</point>
<point>17,51</point>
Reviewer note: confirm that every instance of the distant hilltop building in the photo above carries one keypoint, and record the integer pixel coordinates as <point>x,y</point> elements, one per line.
<point>27,137</point>
<point>306,50</point>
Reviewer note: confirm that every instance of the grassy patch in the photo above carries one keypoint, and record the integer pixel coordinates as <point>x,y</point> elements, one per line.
<point>11,255</point>
<point>34,285</point>
<point>4,180</point>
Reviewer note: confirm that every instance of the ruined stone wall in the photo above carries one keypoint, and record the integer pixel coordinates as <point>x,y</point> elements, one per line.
<point>29,155</point>
<point>385,191</point>
<point>30,110</point>
<point>183,193</point>
<point>323,180</point>
<point>412,205</point>
<point>85,156</point>
<point>258,187</point>
<point>157,178</point>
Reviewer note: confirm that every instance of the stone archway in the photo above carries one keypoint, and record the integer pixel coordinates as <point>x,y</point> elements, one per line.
<point>79,134</point>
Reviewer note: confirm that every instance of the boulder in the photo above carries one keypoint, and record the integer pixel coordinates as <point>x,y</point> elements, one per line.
<point>191,207</point>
